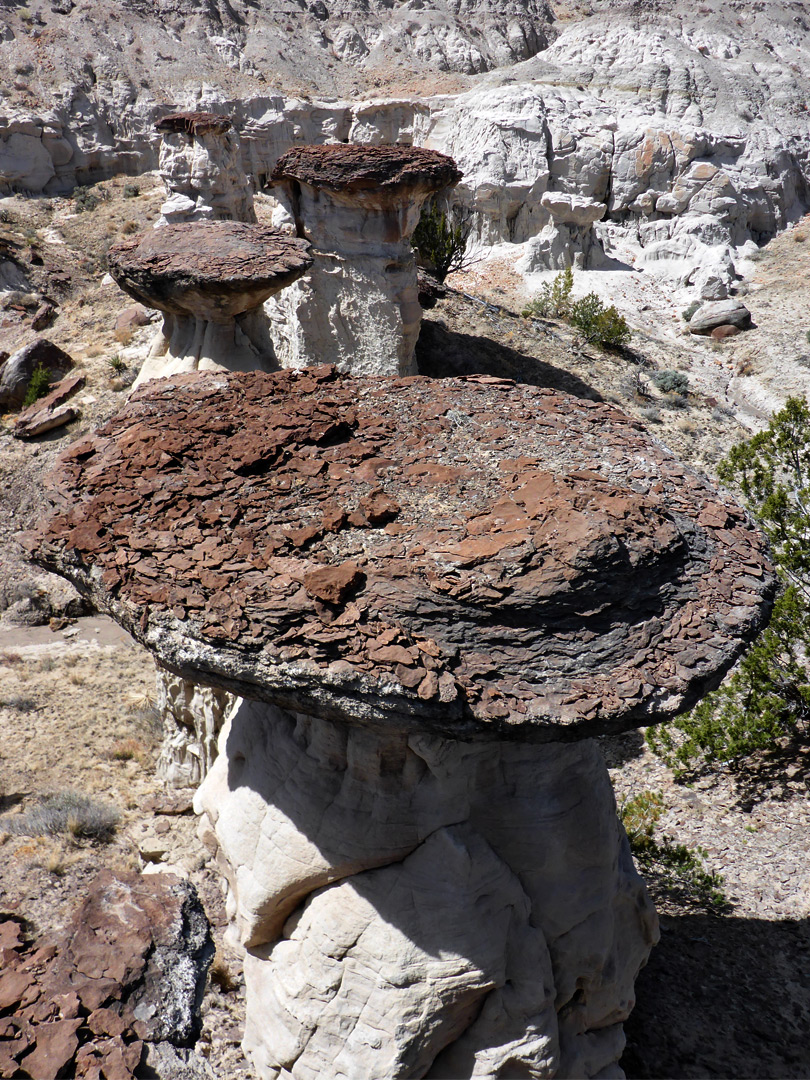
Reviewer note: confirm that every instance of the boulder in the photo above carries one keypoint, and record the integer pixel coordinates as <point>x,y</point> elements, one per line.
<point>126,975</point>
<point>720,333</point>
<point>129,320</point>
<point>49,412</point>
<point>16,372</point>
<point>722,313</point>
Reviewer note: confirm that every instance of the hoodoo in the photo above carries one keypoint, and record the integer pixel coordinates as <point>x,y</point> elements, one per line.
<point>358,206</point>
<point>201,166</point>
<point>431,596</point>
<point>210,280</point>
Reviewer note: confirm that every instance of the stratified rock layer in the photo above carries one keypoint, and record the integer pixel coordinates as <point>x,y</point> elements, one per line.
<point>358,206</point>
<point>483,559</point>
<point>209,279</point>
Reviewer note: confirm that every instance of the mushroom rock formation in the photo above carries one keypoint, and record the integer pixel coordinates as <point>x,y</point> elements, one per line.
<point>210,279</point>
<point>358,206</point>
<point>569,238</point>
<point>201,166</point>
<point>431,596</point>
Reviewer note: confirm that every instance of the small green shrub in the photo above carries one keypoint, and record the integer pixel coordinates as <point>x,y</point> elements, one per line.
<point>599,325</point>
<point>116,364</point>
<point>766,699</point>
<point>65,812</point>
<point>131,191</point>
<point>676,867</point>
<point>689,311</point>
<point>671,382</point>
<point>441,243</point>
<point>554,299</point>
<point>86,200</point>
<point>38,385</point>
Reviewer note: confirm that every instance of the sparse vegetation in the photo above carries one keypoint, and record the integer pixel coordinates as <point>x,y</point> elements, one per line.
<point>131,191</point>
<point>599,325</point>
<point>441,242</point>
<point>65,812</point>
<point>129,227</point>
<point>671,382</point>
<point>116,364</point>
<point>767,697</point>
<point>689,311</point>
<point>677,868</point>
<point>554,299</point>
<point>38,385</point>
<point>86,200</point>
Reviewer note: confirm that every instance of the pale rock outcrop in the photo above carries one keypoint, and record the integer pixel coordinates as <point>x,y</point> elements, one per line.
<point>569,239</point>
<point>209,278</point>
<point>427,626</point>
<point>193,717</point>
<point>358,206</point>
<point>202,168</point>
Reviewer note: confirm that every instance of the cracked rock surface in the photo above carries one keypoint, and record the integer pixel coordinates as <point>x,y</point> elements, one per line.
<point>209,278</point>
<point>480,557</point>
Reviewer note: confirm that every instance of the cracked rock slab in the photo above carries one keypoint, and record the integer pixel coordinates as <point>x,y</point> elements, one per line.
<point>471,557</point>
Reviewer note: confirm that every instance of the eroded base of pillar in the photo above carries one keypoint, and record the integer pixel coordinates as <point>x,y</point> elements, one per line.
<point>192,717</point>
<point>413,906</point>
<point>186,344</point>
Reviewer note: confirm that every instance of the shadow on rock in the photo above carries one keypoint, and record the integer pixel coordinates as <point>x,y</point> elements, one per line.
<point>722,997</point>
<point>442,353</point>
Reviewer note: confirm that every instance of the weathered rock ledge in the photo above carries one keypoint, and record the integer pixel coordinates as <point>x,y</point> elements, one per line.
<point>332,545</point>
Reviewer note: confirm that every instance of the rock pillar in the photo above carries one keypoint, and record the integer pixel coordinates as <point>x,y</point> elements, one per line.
<point>358,307</point>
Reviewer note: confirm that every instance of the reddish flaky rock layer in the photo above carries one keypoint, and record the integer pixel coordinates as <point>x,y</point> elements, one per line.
<point>168,267</point>
<point>194,123</point>
<point>345,167</point>
<point>471,556</point>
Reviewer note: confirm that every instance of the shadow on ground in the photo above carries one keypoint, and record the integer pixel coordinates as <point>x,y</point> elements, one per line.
<point>442,353</point>
<point>723,997</point>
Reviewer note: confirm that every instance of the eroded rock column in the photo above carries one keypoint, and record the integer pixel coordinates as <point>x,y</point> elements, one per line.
<point>201,166</point>
<point>417,906</point>
<point>358,206</point>
<point>428,630</point>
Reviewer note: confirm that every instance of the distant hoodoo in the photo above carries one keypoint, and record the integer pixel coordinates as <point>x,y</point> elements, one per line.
<point>358,206</point>
<point>201,166</point>
<point>210,280</point>
<point>430,596</point>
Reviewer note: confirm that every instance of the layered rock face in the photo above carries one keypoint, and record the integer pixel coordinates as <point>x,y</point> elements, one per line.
<point>358,206</point>
<point>424,862</point>
<point>201,166</point>
<point>193,717</point>
<point>209,279</point>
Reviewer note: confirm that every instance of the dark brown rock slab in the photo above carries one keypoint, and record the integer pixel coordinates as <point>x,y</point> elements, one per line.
<point>346,167</point>
<point>49,412</point>
<point>468,556</point>
<point>193,123</point>
<point>127,972</point>
<point>208,269</point>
